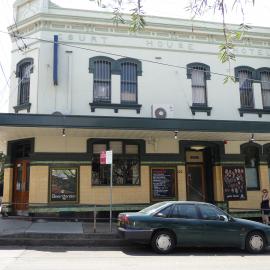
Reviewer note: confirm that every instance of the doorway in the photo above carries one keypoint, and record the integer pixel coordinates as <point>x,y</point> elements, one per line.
<point>20,152</point>
<point>21,186</point>
<point>199,175</point>
<point>195,182</point>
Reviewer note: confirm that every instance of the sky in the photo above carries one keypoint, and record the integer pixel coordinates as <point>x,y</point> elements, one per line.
<point>257,15</point>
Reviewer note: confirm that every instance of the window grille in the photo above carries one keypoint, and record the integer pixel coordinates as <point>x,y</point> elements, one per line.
<point>246,89</point>
<point>128,83</point>
<point>126,164</point>
<point>24,83</point>
<point>198,87</point>
<point>265,83</point>
<point>102,81</point>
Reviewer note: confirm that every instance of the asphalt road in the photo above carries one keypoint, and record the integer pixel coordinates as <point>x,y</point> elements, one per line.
<point>137,257</point>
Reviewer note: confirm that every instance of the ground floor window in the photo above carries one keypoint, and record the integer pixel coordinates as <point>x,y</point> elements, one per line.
<point>126,164</point>
<point>63,184</point>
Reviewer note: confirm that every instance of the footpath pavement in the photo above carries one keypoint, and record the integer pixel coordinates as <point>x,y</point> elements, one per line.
<point>18,231</point>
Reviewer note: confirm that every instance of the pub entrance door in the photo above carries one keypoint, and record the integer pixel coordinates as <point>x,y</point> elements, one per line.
<point>21,186</point>
<point>195,182</point>
<point>199,177</point>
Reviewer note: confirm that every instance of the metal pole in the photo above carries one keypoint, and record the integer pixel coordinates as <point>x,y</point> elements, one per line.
<point>95,220</point>
<point>111,197</point>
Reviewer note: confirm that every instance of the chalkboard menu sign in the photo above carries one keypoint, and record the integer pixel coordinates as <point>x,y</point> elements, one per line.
<point>234,183</point>
<point>163,183</point>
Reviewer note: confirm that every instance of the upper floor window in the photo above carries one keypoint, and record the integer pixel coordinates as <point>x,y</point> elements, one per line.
<point>24,68</point>
<point>198,73</point>
<point>251,152</point>
<point>245,76</point>
<point>129,70</point>
<point>264,77</point>
<point>101,67</point>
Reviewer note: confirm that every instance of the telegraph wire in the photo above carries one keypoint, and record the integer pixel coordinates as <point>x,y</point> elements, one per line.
<point>125,56</point>
<point>13,22</point>
<point>2,69</point>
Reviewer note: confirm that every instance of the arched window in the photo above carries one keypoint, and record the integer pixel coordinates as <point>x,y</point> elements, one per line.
<point>252,153</point>
<point>23,70</point>
<point>263,74</point>
<point>130,69</point>
<point>101,67</point>
<point>198,73</point>
<point>245,76</point>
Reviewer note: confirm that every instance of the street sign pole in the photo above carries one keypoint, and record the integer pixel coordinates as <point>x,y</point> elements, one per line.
<point>111,197</point>
<point>109,160</point>
<point>106,157</point>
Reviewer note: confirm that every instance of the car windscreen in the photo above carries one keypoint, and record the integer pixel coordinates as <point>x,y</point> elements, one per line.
<point>153,208</point>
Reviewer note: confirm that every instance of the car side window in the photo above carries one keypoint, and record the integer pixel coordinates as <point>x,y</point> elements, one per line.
<point>184,211</point>
<point>164,212</point>
<point>209,212</point>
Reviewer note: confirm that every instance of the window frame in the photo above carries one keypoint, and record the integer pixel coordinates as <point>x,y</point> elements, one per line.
<point>246,150</point>
<point>252,72</point>
<point>207,76</point>
<point>138,65</point>
<point>259,75</point>
<point>92,69</point>
<point>123,156</point>
<point>20,65</point>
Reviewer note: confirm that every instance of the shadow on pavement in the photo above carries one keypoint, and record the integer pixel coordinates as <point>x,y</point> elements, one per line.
<point>144,251</point>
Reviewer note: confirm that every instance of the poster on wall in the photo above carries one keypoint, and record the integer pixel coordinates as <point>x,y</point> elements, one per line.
<point>163,183</point>
<point>63,185</point>
<point>234,183</point>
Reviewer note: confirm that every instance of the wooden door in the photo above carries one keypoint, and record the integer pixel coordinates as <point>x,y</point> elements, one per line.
<point>21,185</point>
<point>195,182</point>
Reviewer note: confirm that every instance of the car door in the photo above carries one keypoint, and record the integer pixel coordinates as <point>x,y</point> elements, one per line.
<point>218,231</point>
<point>184,220</point>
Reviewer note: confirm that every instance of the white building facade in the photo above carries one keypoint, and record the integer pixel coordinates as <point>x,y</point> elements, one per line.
<point>157,98</point>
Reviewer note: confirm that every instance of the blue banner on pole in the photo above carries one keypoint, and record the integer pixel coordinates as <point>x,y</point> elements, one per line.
<point>55,60</point>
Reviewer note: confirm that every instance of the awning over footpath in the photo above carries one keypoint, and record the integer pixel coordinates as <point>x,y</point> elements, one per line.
<point>131,123</point>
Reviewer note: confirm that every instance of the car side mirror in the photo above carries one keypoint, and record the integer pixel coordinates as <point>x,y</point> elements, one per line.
<point>223,218</point>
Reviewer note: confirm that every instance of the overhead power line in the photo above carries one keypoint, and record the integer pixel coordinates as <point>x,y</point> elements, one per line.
<point>126,56</point>
<point>2,69</point>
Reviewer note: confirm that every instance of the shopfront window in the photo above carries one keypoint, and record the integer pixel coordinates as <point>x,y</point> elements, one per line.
<point>251,153</point>
<point>63,184</point>
<point>126,164</point>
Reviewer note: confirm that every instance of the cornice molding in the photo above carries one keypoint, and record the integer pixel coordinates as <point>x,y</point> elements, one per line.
<point>163,31</point>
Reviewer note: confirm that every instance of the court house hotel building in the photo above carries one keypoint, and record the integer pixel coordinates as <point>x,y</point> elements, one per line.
<point>156,98</point>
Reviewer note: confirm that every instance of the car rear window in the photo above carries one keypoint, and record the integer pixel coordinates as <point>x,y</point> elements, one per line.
<point>153,208</point>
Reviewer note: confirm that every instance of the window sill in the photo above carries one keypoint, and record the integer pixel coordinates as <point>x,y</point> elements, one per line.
<point>26,106</point>
<point>116,185</point>
<point>200,108</point>
<point>260,112</point>
<point>115,107</point>
<point>253,189</point>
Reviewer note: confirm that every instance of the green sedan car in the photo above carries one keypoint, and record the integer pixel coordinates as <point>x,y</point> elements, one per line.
<point>166,225</point>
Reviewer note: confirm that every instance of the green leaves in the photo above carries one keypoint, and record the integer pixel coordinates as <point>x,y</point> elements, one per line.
<point>137,22</point>
<point>229,78</point>
<point>118,17</point>
<point>226,52</point>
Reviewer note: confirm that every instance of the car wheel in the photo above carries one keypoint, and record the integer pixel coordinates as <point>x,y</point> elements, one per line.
<point>255,242</point>
<point>163,242</point>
